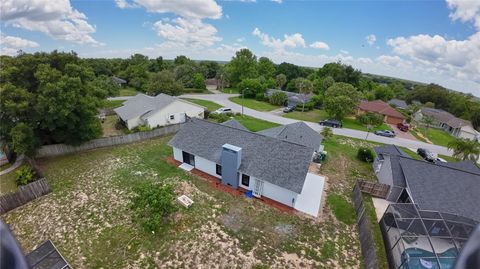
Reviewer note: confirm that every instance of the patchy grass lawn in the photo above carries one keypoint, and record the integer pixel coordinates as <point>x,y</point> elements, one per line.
<point>254,104</point>
<point>87,215</point>
<point>231,90</point>
<point>128,92</point>
<point>314,115</point>
<point>342,208</point>
<point>112,103</point>
<point>108,126</point>
<point>211,106</point>
<point>7,182</point>
<point>436,136</point>
<point>254,124</point>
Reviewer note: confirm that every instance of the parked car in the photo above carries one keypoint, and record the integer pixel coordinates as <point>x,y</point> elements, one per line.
<point>223,110</point>
<point>441,160</point>
<point>288,109</point>
<point>403,127</point>
<point>426,154</point>
<point>331,123</point>
<point>386,133</point>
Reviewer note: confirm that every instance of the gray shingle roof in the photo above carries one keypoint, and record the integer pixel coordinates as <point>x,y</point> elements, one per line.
<point>235,124</point>
<point>445,117</point>
<point>398,103</point>
<point>463,165</point>
<point>276,161</point>
<point>143,105</point>
<point>440,188</point>
<point>390,150</point>
<point>297,132</point>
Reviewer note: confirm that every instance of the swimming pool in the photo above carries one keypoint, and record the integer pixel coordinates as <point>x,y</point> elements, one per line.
<point>422,259</point>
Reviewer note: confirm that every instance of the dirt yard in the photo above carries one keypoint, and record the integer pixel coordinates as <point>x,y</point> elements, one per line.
<point>87,216</point>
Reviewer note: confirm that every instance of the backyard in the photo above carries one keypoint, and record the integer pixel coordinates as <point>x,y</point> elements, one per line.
<point>88,216</point>
<point>254,104</point>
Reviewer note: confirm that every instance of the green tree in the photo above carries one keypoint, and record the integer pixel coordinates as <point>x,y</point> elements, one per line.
<point>152,206</point>
<point>340,73</point>
<point>210,68</point>
<point>182,60</point>
<point>280,80</point>
<point>23,139</point>
<point>251,87</point>
<point>184,74</point>
<point>341,99</point>
<point>384,93</point>
<point>198,81</point>
<point>427,121</point>
<point>242,66</point>
<point>465,149</point>
<point>266,67</point>
<point>278,98</point>
<point>304,87</point>
<point>327,82</point>
<point>164,82</point>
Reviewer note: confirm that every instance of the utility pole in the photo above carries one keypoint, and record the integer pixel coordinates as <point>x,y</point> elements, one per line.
<point>243,97</point>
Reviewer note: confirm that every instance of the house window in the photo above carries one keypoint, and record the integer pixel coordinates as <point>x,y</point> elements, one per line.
<point>245,180</point>
<point>172,117</point>
<point>218,170</point>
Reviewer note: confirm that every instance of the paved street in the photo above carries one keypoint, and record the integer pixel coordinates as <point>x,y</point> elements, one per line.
<point>222,99</point>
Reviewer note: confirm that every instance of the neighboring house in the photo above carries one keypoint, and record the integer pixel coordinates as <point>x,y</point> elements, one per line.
<point>271,168</point>
<point>155,111</point>
<point>446,187</point>
<point>294,98</point>
<point>390,115</point>
<point>432,208</point>
<point>456,127</point>
<point>397,103</point>
<point>298,132</point>
<point>120,82</point>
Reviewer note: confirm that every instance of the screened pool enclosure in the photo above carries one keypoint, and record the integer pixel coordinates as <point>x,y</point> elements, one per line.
<point>417,238</point>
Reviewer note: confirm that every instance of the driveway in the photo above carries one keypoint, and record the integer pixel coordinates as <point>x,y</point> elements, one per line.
<point>222,99</point>
<point>401,134</point>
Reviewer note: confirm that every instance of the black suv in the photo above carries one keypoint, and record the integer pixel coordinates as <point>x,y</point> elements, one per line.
<point>426,155</point>
<point>331,123</point>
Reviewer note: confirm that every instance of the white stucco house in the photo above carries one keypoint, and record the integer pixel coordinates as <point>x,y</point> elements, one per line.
<point>270,167</point>
<point>156,111</point>
<point>456,127</point>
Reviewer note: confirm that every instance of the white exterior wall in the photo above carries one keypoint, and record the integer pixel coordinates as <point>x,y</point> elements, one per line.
<point>132,123</point>
<point>468,132</point>
<point>206,166</point>
<point>177,154</point>
<point>278,194</point>
<point>178,109</point>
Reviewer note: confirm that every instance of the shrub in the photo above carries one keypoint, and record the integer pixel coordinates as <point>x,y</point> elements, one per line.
<point>206,114</point>
<point>152,205</point>
<point>308,106</point>
<point>24,175</point>
<point>220,117</point>
<point>327,133</point>
<point>366,155</point>
<point>199,81</point>
<point>142,128</point>
<point>278,98</point>
<point>369,118</point>
<point>260,96</point>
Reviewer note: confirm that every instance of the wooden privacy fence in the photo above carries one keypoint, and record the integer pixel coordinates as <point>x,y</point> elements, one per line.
<point>61,149</point>
<point>367,243</point>
<point>24,195</point>
<point>374,188</point>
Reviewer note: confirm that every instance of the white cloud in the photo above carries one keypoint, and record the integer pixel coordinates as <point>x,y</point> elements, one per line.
<point>344,52</point>
<point>364,60</point>
<point>320,45</point>
<point>465,10</point>
<point>187,32</point>
<point>17,42</point>
<point>371,39</point>
<point>289,41</point>
<point>197,9</point>
<point>56,18</point>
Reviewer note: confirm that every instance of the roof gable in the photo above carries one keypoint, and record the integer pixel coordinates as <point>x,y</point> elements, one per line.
<point>379,106</point>
<point>235,124</point>
<point>276,161</point>
<point>143,105</point>
<point>297,132</point>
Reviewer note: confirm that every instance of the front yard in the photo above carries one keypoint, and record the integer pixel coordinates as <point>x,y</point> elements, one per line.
<point>436,136</point>
<point>88,216</point>
<point>254,104</point>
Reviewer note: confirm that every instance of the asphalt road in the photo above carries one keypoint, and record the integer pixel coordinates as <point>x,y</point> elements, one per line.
<point>222,99</point>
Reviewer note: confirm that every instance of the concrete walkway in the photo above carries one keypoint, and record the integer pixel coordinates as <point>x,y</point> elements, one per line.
<point>14,166</point>
<point>222,99</point>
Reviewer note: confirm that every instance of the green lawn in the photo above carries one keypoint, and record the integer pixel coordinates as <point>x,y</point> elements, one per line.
<point>412,154</point>
<point>436,136</point>
<point>112,103</point>
<point>89,219</point>
<point>254,104</point>
<point>254,124</point>
<point>231,90</point>
<point>194,90</point>
<point>211,106</point>
<point>128,92</point>
<point>342,208</point>
<point>7,183</point>
<point>314,115</point>
<point>351,123</point>
<point>414,133</point>
<point>449,159</point>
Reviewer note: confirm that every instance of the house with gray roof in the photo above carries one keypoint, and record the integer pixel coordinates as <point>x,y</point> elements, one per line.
<point>456,127</point>
<point>155,111</point>
<point>397,103</point>
<point>294,98</point>
<point>268,167</point>
<point>120,82</point>
<point>298,132</point>
<point>452,188</point>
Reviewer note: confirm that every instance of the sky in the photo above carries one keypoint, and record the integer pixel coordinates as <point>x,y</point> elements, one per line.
<point>429,41</point>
